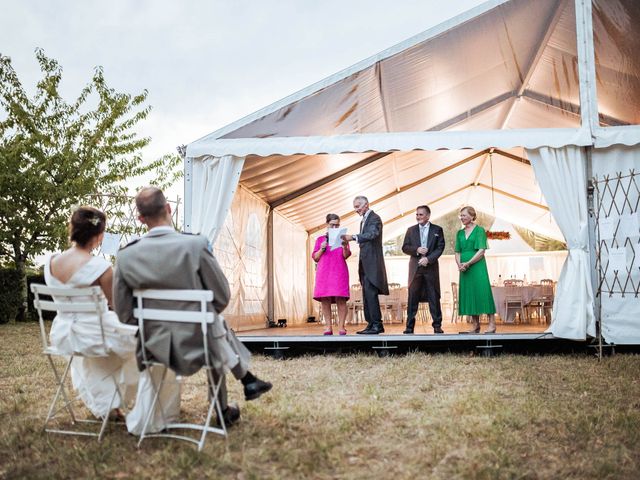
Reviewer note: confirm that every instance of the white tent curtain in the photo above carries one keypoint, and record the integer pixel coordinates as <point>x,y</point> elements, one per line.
<point>214,184</point>
<point>562,177</point>
<point>289,270</point>
<point>617,171</point>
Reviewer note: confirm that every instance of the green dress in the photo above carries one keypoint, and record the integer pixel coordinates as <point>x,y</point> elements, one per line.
<point>474,294</point>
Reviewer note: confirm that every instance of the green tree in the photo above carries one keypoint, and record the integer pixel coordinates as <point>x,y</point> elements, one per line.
<point>53,154</point>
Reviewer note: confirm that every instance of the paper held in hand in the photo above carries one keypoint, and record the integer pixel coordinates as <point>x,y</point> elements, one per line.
<point>335,237</point>
<point>110,243</point>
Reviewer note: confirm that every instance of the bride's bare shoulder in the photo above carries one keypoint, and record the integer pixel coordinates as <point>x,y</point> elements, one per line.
<point>65,264</point>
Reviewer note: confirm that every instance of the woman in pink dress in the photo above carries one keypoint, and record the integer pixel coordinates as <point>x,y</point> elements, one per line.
<point>332,276</point>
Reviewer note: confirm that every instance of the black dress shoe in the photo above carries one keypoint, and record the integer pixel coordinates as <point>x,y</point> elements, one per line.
<point>438,330</point>
<point>231,415</point>
<point>254,389</point>
<point>408,332</point>
<point>375,330</point>
<point>364,332</point>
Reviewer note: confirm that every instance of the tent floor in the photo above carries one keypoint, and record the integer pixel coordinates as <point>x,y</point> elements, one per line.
<point>308,338</point>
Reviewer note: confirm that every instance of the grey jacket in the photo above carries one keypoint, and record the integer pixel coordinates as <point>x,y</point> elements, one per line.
<point>166,259</point>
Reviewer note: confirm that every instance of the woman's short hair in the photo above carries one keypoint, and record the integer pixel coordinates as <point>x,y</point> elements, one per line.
<point>332,216</point>
<point>85,224</point>
<point>470,210</point>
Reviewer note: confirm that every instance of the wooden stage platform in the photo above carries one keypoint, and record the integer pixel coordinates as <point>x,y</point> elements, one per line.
<point>390,329</point>
<point>309,338</point>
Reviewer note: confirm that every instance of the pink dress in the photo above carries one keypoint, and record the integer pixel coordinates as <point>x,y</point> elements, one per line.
<point>332,274</point>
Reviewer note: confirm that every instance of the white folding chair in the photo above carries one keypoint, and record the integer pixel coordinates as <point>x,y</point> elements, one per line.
<point>72,301</point>
<point>202,317</point>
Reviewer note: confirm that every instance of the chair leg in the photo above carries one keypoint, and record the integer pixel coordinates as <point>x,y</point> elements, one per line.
<point>116,393</point>
<point>61,390</point>
<point>214,402</point>
<point>153,403</point>
<point>105,418</point>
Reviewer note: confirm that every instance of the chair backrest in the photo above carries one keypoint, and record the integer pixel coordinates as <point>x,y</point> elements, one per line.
<point>513,292</point>
<point>67,301</point>
<point>355,294</point>
<point>547,288</point>
<point>454,292</point>
<point>202,316</point>
<point>514,281</point>
<point>546,281</point>
<point>399,294</point>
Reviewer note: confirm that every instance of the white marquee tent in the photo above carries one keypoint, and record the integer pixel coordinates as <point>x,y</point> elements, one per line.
<point>511,107</point>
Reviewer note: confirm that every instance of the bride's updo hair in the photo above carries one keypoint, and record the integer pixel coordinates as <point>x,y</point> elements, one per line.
<point>85,224</point>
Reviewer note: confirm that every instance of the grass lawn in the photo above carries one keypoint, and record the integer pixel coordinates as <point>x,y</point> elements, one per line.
<point>358,416</point>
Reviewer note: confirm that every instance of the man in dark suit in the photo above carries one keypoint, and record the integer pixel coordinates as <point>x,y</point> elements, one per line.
<point>424,243</point>
<point>371,269</point>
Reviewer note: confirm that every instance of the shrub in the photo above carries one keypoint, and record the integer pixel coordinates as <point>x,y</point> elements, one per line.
<point>9,294</point>
<point>36,276</point>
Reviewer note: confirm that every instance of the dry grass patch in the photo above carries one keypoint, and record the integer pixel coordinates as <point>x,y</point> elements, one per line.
<point>359,416</point>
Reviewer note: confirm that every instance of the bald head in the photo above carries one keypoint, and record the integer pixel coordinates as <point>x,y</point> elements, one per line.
<point>152,206</point>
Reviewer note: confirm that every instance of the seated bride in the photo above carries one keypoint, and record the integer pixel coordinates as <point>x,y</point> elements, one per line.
<point>91,375</point>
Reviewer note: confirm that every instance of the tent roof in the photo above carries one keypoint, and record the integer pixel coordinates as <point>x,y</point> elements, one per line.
<point>507,67</point>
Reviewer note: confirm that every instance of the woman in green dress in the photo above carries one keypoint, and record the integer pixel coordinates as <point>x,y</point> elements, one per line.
<point>474,297</point>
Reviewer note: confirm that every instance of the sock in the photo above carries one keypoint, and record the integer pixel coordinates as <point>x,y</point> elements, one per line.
<point>248,378</point>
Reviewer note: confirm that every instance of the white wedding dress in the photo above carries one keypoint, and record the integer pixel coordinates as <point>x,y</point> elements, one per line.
<point>80,333</point>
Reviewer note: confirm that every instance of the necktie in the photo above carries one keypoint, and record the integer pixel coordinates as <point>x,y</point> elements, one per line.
<point>423,236</point>
<point>361,224</point>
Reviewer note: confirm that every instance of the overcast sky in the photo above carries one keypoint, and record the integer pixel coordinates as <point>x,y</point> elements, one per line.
<point>207,63</point>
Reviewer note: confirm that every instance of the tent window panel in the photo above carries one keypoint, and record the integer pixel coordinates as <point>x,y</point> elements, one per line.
<point>616,46</point>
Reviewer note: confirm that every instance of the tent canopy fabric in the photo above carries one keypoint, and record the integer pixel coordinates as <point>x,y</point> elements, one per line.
<point>449,118</point>
<point>505,66</point>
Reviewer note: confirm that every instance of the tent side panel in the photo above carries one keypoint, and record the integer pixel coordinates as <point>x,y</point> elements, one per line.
<point>241,251</point>
<point>616,173</point>
<point>289,270</point>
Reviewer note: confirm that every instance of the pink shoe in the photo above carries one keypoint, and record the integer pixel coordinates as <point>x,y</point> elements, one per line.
<point>342,332</point>
<point>328,332</point>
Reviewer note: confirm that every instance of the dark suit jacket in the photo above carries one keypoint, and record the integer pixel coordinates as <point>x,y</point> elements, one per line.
<point>435,246</point>
<point>371,254</point>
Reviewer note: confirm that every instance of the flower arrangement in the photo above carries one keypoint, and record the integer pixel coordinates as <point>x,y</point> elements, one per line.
<point>498,235</point>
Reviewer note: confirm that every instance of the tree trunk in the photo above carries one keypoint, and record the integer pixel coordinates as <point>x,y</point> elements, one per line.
<point>22,279</point>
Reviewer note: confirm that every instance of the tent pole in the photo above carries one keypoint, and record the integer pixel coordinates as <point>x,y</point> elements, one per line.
<point>586,66</point>
<point>593,245</point>
<point>188,187</point>
<point>310,276</point>
<point>270,272</point>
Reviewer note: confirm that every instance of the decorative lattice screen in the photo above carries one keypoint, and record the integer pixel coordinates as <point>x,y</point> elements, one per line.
<point>122,217</point>
<point>618,244</point>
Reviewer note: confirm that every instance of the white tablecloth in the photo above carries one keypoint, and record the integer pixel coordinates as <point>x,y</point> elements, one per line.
<point>528,293</point>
